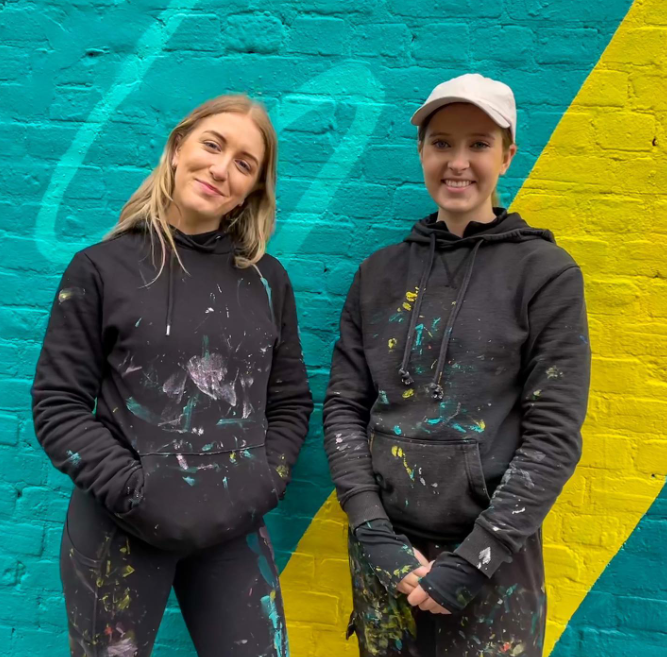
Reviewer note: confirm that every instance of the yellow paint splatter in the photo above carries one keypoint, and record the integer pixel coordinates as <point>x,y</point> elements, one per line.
<point>412,296</point>
<point>283,471</point>
<point>127,571</point>
<point>400,454</point>
<point>407,306</point>
<point>481,424</point>
<point>124,602</point>
<point>408,393</point>
<point>392,343</point>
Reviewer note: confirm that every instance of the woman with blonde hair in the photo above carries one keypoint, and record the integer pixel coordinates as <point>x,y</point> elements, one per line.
<point>171,389</point>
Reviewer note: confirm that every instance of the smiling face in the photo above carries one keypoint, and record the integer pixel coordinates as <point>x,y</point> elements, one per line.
<point>216,166</point>
<point>462,156</point>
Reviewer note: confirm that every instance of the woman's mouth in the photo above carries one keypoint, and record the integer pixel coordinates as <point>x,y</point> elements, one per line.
<point>457,186</point>
<point>208,189</point>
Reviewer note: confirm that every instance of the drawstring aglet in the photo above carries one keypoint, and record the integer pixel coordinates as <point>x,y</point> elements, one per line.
<point>436,391</point>
<point>405,377</point>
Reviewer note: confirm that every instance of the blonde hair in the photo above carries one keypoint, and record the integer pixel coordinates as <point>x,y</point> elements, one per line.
<point>507,142</point>
<point>250,225</point>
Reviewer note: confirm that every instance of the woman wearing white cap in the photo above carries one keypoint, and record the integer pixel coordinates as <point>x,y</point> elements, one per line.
<point>458,389</point>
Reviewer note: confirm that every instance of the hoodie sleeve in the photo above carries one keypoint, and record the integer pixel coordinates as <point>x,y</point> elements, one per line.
<point>349,399</point>
<point>289,402</point>
<point>65,389</point>
<point>556,374</point>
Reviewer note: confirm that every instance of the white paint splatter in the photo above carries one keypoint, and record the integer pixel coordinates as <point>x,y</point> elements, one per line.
<point>174,386</point>
<point>124,648</point>
<point>484,557</point>
<point>181,461</point>
<point>209,373</point>
<point>514,513</point>
<point>209,310</point>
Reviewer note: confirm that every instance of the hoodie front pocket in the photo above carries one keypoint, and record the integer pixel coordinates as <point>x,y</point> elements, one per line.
<point>430,486</point>
<point>193,500</point>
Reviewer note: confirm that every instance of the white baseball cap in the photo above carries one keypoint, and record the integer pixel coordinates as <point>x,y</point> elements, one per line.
<point>493,97</point>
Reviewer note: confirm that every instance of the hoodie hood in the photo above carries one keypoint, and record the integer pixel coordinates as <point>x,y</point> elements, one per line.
<point>506,227</point>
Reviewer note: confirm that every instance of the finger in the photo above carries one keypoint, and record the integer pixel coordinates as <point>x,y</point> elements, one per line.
<point>420,557</point>
<point>417,596</point>
<point>427,605</point>
<point>441,610</point>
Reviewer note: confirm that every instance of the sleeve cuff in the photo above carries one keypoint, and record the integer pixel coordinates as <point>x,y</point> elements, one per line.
<point>363,507</point>
<point>483,551</point>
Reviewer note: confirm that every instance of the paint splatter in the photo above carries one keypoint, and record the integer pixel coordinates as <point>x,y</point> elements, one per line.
<point>209,374</point>
<point>408,393</point>
<point>382,396</point>
<point>397,430</point>
<point>271,610</point>
<point>264,567</point>
<point>391,343</point>
<point>74,458</point>
<point>484,557</point>
<point>555,373</point>
<point>400,454</point>
<point>189,480</point>
<point>123,648</point>
<point>69,293</point>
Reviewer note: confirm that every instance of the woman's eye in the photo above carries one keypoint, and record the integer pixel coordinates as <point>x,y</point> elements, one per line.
<point>212,145</point>
<point>480,145</point>
<point>439,143</point>
<point>244,166</point>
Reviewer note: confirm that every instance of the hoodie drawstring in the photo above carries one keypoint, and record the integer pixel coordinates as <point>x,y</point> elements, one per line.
<point>170,292</point>
<point>403,371</point>
<point>436,385</point>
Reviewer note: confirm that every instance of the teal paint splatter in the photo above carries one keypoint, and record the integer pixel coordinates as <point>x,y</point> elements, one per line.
<point>189,480</point>
<point>434,420</point>
<point>140,411</point>
<point>396,317</point>
<point>458,428</point>
<point>226,421</point>
<point>187,413</point>
<point>208,447</point>
<point>246,454</point>
<point>382,396</point>
<point>435,323</point>
<point>262,561</point>
<point>225,483</point>
<point>271,610</point>
<point>397,430</point>
<point>418,337</point>
<point>138,322</point>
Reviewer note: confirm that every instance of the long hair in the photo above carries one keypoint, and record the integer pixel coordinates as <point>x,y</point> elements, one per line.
<point>507,142</point>
<point>250,225</point>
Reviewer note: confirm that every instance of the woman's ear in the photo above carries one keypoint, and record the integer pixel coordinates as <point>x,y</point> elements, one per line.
<point>177,149</point>
<point>508,156</point>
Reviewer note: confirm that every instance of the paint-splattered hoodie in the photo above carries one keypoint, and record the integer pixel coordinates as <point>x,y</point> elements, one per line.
<point>180,403</point>
<point>459,385</point>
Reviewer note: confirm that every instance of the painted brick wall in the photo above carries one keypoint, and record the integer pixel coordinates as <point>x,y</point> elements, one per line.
<point>88,92</point>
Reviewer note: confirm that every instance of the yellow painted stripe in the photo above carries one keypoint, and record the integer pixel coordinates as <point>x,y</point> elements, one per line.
<point>596,186</point>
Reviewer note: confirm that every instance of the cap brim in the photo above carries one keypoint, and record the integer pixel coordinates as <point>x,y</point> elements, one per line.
<point>427,109</point>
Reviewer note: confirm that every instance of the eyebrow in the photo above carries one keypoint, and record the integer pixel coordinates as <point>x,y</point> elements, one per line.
<point>222,139</point>
<point>486,135</point>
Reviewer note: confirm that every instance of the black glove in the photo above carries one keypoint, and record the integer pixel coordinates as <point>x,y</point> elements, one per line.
<point>453,582</point>
<point>390,554</point>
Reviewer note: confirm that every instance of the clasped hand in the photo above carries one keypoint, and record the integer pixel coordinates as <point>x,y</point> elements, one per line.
<point>417,597</point>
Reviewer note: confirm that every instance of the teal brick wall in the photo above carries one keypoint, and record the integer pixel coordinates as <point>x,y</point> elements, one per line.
<point>89,90</point>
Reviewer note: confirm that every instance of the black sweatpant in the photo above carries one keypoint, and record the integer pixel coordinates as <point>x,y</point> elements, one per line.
<point>116,589</point>
<point>508,617</point>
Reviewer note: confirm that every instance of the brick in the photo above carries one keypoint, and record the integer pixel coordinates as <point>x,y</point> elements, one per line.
<point>435,43</point>
<point>511,45</point>
<point>319,36</point>
<point>384,40</point>
<point>571,46</point>
<point>644,46</point>
<point>22,538</point>
<point>200,32</point>
<point>254,33</point>
<point>468,9</point>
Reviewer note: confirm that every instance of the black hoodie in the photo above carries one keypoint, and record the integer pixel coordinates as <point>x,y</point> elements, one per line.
<point>459,385</point>
<point>180,403</point>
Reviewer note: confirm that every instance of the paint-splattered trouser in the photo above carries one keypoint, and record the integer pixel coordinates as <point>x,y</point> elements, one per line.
<point>506,619</point>
<point>116,589</point>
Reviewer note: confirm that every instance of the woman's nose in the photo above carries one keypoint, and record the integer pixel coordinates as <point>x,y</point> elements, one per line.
<point>220,168</point>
